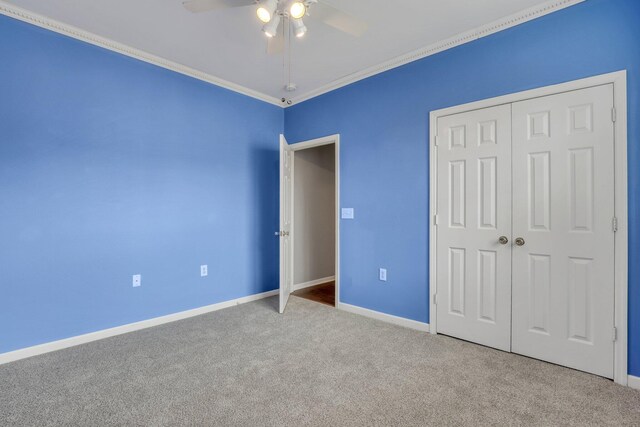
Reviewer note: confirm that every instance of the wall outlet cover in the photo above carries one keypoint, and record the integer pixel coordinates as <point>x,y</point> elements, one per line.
<point>348,213</point>
<point>137,280</point>
<point>204,271</point>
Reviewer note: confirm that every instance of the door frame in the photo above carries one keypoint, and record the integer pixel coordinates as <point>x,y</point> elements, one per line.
<point>619,81</point>
<point>303,145</point>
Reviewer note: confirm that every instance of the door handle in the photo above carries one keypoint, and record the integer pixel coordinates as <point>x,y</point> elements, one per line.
<point>503,240</point>
<point>520,241</point>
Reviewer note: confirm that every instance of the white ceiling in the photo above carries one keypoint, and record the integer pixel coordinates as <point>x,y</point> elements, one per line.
<point>229,44</point>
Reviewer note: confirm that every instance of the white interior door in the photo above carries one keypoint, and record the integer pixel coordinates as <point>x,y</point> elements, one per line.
<point>563,268</point>
<point>286,262</point>
<point>474,212</point>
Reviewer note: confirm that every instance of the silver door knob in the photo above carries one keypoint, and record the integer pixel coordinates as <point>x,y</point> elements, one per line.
<point>503,240</point>
<point>520,241</point>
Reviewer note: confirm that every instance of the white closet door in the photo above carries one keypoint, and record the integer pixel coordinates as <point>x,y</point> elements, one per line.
<point>474,211</point>
<point>563,189</point>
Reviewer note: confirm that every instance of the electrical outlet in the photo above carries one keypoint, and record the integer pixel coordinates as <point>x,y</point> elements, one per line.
<point>383,274</point>
<point>348,213</point>
<point>137,280</point>
<point>204,271</point>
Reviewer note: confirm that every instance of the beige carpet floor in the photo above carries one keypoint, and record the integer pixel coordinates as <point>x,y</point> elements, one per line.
<point>312,366</point>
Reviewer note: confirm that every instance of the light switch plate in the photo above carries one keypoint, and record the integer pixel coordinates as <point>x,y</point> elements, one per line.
<point>204,271</point>
<point>383,274</point>
<point>348,213</point>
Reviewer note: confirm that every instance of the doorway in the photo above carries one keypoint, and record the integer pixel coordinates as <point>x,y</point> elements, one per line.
<point>309,221</point>
<point>529,202</point>
<point>314,223</point>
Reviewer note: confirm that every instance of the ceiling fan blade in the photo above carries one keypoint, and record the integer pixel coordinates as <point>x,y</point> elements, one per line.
<point>338,19</point>
<point>197,6</point>
<point>275,45</point>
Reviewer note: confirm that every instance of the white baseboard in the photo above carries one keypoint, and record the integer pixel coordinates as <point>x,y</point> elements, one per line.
<point>389,318</point>
<point>313,283</point>
<point>633,382</point>
<point>23,353</point>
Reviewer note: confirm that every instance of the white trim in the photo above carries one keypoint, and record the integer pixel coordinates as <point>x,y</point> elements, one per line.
<point>619,81</point>
<point>633,382</point>
<point>439,46</point>
<point>442,45</point>
<point>131,327</point>
<point>389,318</point>
<point>77,33</point>
<point>327,140</point>
<point>313,283</point>
<point>433,206</point>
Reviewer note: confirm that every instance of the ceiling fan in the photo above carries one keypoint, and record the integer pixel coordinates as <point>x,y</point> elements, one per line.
<point>271,12</point>
<point>291,14</point>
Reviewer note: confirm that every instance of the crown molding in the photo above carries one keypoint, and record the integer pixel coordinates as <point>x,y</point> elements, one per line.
<point>85,36</point>
<point>442,45</point>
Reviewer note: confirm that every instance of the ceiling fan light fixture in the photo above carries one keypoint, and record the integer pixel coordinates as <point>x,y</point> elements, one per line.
<point>299,29</point>
<point>271,28</point>
<point>297,10</point>
<point>266,10</point>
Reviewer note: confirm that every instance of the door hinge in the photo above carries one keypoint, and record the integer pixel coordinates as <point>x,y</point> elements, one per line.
<point>615,334</point>
<point>435,219</point>
<point>614,224</point>
<point>435,299</point>
<point>614,115</point>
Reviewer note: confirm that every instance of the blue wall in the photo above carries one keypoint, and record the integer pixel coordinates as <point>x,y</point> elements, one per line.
<point>383,123</point>
<point>110,167</point>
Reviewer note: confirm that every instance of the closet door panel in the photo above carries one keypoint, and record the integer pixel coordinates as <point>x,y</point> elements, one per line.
<point>474,211</point>
<point>563,188</point>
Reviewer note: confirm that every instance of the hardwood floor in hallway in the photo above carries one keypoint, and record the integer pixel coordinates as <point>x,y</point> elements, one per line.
<point>324,293</point>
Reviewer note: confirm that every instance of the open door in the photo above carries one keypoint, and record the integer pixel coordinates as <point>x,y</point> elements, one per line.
<point>286,273</point>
